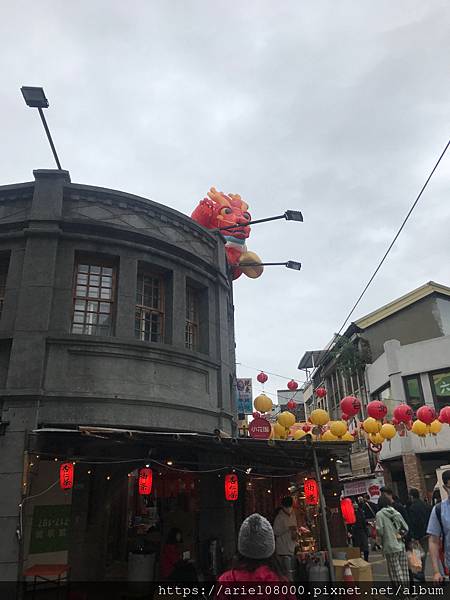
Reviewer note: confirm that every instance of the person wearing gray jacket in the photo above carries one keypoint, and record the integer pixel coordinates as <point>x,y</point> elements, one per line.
<point>392,530</point>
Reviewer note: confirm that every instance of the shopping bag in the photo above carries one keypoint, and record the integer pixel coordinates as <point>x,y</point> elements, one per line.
<point>414,560</point>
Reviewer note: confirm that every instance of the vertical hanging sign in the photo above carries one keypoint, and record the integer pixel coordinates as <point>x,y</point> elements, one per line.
<point>145,481</point>
<point>231,487</point>
<point>66,476</point>
<point>311,492</point>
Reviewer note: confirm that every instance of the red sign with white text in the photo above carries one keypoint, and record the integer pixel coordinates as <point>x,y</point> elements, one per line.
<point>260,429</point>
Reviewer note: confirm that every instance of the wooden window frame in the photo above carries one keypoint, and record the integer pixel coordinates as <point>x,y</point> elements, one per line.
<point>96,329</point>
<point>141,308</point>
<point>407,394</point>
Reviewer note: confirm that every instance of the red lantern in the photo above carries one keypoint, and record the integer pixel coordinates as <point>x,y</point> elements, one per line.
<point>321,392</point>
<point>306,428</point>
<point>350,405</point>
<point>256,414</point>
<point>348,512</point>
<point>377,410</point>
<point>426,414</point>
<point>145,481</point>
<point>66,476</point>
<point>231,487</point>
<point>292,385</point>
<point>403,413</point>
<point>345,417</point>
<point>262,377</point>
<point>311,492</point>
<point>444,415</point>
<point>395,422</point>
<point>292,405</point>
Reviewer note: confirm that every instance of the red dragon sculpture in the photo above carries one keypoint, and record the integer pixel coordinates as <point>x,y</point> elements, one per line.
<point>221,210</point>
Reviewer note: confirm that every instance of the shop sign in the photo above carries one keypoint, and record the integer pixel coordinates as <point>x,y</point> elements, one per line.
<point>260,429</point>
<point>66,476</point>
<point>231,487</point>
<point>365,486</point>
<point>50,529</point>
<point>145,481</point>
<point>311,492</point>
<point>244,396</point>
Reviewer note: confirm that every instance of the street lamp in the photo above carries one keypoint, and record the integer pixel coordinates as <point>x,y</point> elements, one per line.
<point>35,98</point>
<point>290,264</point>
<point>289,215</point>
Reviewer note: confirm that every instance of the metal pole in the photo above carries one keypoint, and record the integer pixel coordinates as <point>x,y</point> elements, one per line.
<point>252,223</point>
<point>323,507</point>
<point>47,131</point>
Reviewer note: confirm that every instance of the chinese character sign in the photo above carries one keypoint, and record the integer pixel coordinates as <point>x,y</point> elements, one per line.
<point>311,492</point>
<point>244,396</point>
<point>50,528</point>
<point>66,476</point>
<point>145,481</point>
<point>231,487</point>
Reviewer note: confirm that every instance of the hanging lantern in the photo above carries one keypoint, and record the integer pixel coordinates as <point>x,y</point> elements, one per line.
<point>292,385</point>
<point>306,428</point>
<point>321,392</point>
<point>345,417</point>
<point>231,487</point>
<point>348,512</point>
<point>444,415</point>
<point>350,405</point>
<point>419,428</point>
<point>263,403</point>
<point>349,437</point>
<point>319,417</point>
<point>376,438</point>
<point>403,413</point>
<point>388,431</point>
<point>262,377</point>
<point>371,425</point>
<point>299,434</point>
<point>328,437</point>
<point>338,428</point>
<point>66,476</point>
<point>377,410</point>
<point>286,419</point>
<point>426,414</point>
<point>279,431</point>
<point>145,481</point>
<point>311,492</point>
<point>435,427</point>
<point>292,405</point>
<point>256,414</point>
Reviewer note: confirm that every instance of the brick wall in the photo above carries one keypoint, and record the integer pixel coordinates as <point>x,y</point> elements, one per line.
<point>414,473</point>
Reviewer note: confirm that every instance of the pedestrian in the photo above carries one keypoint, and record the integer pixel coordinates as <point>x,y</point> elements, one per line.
<point>395,502</point>
<point>256,560</point>
<point>439,532</point>
<point>360,531</point>
<point>370,510</point>
<point>171,553</point>
<point>285,529</point>
<point>419,515</point>
<point>392,529</point>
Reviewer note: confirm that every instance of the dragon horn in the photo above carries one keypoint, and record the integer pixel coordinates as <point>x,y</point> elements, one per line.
<point>219,197</point>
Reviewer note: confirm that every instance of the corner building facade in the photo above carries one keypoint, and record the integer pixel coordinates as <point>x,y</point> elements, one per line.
<point>116,312</point>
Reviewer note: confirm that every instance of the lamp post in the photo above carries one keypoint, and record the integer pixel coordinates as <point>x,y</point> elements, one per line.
<point>290,264</point>
<point>289,215</point>
<point>35,98</point>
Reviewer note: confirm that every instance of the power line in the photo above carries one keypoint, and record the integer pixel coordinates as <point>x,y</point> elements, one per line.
<point>336,335</point>
<point>395,238</point>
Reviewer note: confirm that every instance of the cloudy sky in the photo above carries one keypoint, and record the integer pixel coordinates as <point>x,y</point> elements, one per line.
<point>339,109</point>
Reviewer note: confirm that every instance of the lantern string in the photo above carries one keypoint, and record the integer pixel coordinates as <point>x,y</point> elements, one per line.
<point>269,373</point>
<point>20,532</point>
<point>243,471</point>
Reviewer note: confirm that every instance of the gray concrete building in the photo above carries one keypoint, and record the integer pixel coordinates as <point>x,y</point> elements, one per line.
<point>116,322</point>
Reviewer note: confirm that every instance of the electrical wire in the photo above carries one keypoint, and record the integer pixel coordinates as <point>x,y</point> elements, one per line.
<point>380,264</point>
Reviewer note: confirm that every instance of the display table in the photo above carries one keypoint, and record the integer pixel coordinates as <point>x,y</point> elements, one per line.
<point>47,573</point>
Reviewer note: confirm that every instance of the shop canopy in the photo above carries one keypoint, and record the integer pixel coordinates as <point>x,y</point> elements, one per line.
<point>102,443</point>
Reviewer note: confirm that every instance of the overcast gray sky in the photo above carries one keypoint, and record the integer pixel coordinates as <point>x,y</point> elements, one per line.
<point>339,109</point>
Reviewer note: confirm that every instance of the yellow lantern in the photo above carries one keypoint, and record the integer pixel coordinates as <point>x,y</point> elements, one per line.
<point>328,437</point>
<point>286,419</point>
<point>371,425</point>
<point>338,428</point>
<point>279,432</point>
<point>388,431</point>
<point>376,438</point>
<point>419,428</point>
<point>347,437</point>
<point>263,403</point>
<point>435,426</point>
<point>319,417</point>
<point>299,434</point>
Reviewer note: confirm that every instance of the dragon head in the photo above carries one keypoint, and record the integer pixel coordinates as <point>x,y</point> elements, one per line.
<point>221,210</point>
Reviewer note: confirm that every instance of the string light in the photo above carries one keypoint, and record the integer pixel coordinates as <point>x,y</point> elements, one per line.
<point>89,472</point>
<point>147,465</point>
<point>108,477</point>
<point>56,460</point>
<point>169,463</point>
